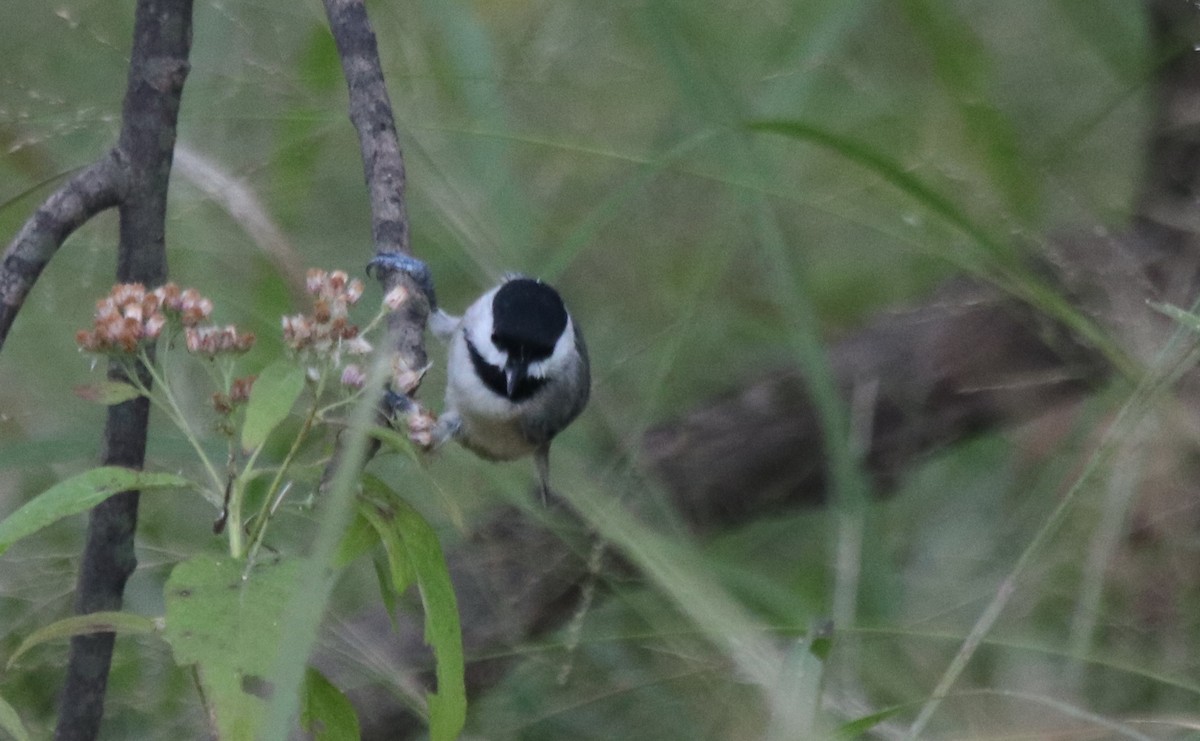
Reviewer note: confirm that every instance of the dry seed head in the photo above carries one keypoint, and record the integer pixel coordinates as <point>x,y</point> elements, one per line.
<point>314,280</point>
<point>239,391</point>
<point>396,298</point>
<point>221,403</point>
<point>405,378</point>
<point>213,341</point>
<point>353,377</point>
<point>420,427</point>
<point>329,325</point>
<point>122,321</point>
<point>357,346</point>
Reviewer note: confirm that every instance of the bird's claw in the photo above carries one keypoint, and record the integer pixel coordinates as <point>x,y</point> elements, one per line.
<point>388,262</point>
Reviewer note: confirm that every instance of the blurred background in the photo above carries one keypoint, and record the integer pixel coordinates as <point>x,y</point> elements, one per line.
<point>605,148</point>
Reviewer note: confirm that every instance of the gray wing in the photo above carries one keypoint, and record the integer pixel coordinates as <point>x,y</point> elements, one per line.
<point>560,403</point>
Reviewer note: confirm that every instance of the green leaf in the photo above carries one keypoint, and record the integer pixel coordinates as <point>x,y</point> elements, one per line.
<point>395,441</point>
<point>107,392</point>
<point>443,632</point>
<point>387,592</point>
<point>400,566</point>
<point>883,166</point>
<point>360,538</point>
<point>395,574</point>
<point>10,722</point>
<point>78,494</point>
<point>271,399</point>
<point>229,628</point>
<point>325,712</point>
<point>125,623</point>
<point>963,69</point>
<point>857,727</point>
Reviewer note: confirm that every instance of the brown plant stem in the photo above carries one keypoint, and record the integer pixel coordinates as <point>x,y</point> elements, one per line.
<point>157,69</point>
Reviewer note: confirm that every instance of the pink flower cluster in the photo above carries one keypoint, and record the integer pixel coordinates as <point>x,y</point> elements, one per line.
<point>329,324</point>
<point>212,341</point>
<point>130,315</point>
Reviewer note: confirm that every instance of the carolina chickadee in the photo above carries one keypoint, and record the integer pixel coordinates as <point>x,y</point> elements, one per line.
<point>517,373</point>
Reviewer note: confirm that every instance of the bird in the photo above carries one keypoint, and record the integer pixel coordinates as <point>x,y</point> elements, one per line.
<point>517,373</point>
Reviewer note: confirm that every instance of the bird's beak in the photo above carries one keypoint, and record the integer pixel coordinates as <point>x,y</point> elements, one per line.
<point>514,374</point>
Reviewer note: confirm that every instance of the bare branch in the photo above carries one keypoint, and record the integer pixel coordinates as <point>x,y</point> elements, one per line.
<point>383,166</point>
<point>371,114</point>
<point>88,192</point>
<point>108,560</point>
<point>157,69</point>
<point>969,360</point>
<point>1172,176</point>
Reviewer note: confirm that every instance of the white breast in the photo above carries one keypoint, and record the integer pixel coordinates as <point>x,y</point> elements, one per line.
<point>490,422</point>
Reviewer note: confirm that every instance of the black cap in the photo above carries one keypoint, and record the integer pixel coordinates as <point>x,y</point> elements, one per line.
<point>528,317</point>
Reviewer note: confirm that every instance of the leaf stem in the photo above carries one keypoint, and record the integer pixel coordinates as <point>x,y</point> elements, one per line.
<point>174,412</point>
<point>269,504</point>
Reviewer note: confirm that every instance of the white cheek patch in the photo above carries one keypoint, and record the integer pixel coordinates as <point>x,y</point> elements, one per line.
<point>477,325</point>
<point>563,349</point>
<point>466,392</point>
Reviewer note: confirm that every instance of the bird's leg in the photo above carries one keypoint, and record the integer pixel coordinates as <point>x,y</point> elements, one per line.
<point>541,458</point>
<point>446,429</point>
